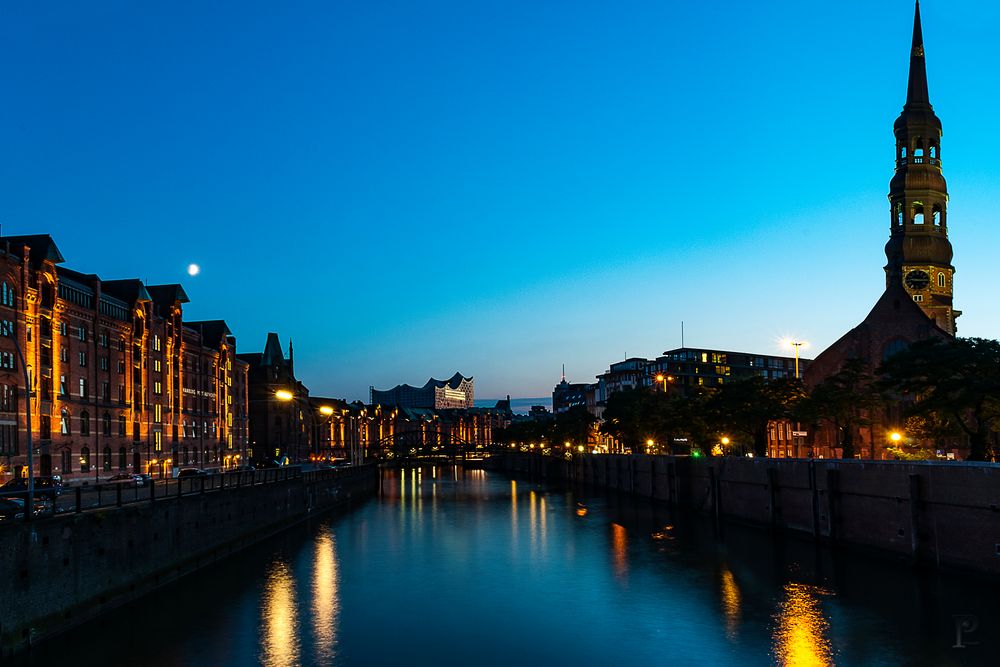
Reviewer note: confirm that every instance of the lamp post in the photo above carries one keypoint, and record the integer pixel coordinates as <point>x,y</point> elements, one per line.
<point>664,379</point>
<point>796,344</point>
<point>30,502</point>
<point>327,411</point>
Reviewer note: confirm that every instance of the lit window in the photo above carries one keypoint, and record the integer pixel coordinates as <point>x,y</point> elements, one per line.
<point>918,297</point>
<point>6,295</point>
<point>941,280</point>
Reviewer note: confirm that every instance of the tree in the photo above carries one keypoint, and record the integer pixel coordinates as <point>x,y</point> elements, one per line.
<point>628,417</point>
<point>955,380</point>
<point>573,426</point>
<point>745,408</point>
<point>847,399</point>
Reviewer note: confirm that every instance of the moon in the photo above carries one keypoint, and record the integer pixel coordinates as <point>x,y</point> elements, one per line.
<point>193,269</point>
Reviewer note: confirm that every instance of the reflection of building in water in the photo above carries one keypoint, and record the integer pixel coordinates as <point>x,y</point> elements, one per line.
<point>731,600</point>
<point>279,619</point>
<point>619,544</point>
<point>326,597</point>
<point>800,633</point>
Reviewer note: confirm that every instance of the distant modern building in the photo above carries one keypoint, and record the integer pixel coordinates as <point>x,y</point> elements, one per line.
<point>456,392</point>
<point>687,367</point>
<point>567,395</point>
<point>627,374</point>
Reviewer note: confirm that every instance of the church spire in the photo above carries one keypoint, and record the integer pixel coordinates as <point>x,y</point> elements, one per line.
<point>916,90</point>
<point>919,253</point>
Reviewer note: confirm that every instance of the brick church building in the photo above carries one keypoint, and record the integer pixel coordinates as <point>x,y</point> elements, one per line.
<point>917,302</point>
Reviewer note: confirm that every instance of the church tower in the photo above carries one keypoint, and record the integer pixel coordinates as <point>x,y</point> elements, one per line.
<point>919,253</point>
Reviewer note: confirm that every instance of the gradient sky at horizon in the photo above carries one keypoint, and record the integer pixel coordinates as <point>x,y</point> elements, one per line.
<point>410,189</point>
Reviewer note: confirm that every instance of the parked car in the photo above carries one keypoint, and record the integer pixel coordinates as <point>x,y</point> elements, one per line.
<point>13,508</point>
<point>127,479</point>
<point>45,487</point>
<point>191,472</point>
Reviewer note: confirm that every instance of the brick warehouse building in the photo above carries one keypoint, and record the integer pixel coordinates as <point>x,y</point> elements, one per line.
<point>120,383</point>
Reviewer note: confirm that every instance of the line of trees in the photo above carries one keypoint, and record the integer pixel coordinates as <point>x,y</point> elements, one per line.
<point>942,390</point>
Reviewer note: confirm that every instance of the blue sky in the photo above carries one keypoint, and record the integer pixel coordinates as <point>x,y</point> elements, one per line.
<point>407,189</point>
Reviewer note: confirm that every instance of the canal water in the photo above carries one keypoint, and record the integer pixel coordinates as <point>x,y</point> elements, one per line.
<point>453,567</point>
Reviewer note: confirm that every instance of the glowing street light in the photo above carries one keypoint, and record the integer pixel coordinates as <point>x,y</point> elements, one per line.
<point>896,436</point>
<point>660,377</point>
<point>284,395</point>
<point>796,344</point>
<point>325,410</point>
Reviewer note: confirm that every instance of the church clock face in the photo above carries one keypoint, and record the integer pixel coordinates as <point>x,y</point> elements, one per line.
<point>917,280</point>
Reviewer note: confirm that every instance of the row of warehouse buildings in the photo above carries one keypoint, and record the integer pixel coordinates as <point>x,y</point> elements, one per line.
<point>119,382</point>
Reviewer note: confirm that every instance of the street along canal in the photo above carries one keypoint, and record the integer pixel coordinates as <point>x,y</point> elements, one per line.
<point>453,567</point>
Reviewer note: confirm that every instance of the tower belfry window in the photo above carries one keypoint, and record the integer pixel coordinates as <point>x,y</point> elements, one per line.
<point>918,213</point>
<point>937,215</point>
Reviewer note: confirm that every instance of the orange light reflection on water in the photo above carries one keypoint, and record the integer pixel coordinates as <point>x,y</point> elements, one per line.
<point>619,545</point>
<point>326,597</point>
<point>279,619</point>
<point>731,600</point>
<point>800,634</point>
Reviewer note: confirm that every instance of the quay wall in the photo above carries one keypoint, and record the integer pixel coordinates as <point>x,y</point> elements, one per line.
<point>63,570</point>
<point>941,514</point>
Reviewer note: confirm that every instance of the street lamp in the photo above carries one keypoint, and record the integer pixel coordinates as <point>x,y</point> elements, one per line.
<point>327,411</point>
<point>664,379</point>
<point>796,344</point>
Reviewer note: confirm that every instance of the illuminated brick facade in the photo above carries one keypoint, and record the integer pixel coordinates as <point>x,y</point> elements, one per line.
<point>107,361</point>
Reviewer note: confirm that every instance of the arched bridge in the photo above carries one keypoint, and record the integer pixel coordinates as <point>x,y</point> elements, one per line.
<point>417,444</point>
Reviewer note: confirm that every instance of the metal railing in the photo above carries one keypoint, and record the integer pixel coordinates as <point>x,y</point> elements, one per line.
<point>106,495</point>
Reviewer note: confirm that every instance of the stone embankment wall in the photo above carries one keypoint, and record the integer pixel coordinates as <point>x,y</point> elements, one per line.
<point>937,513</point>
<point>63,570</point>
